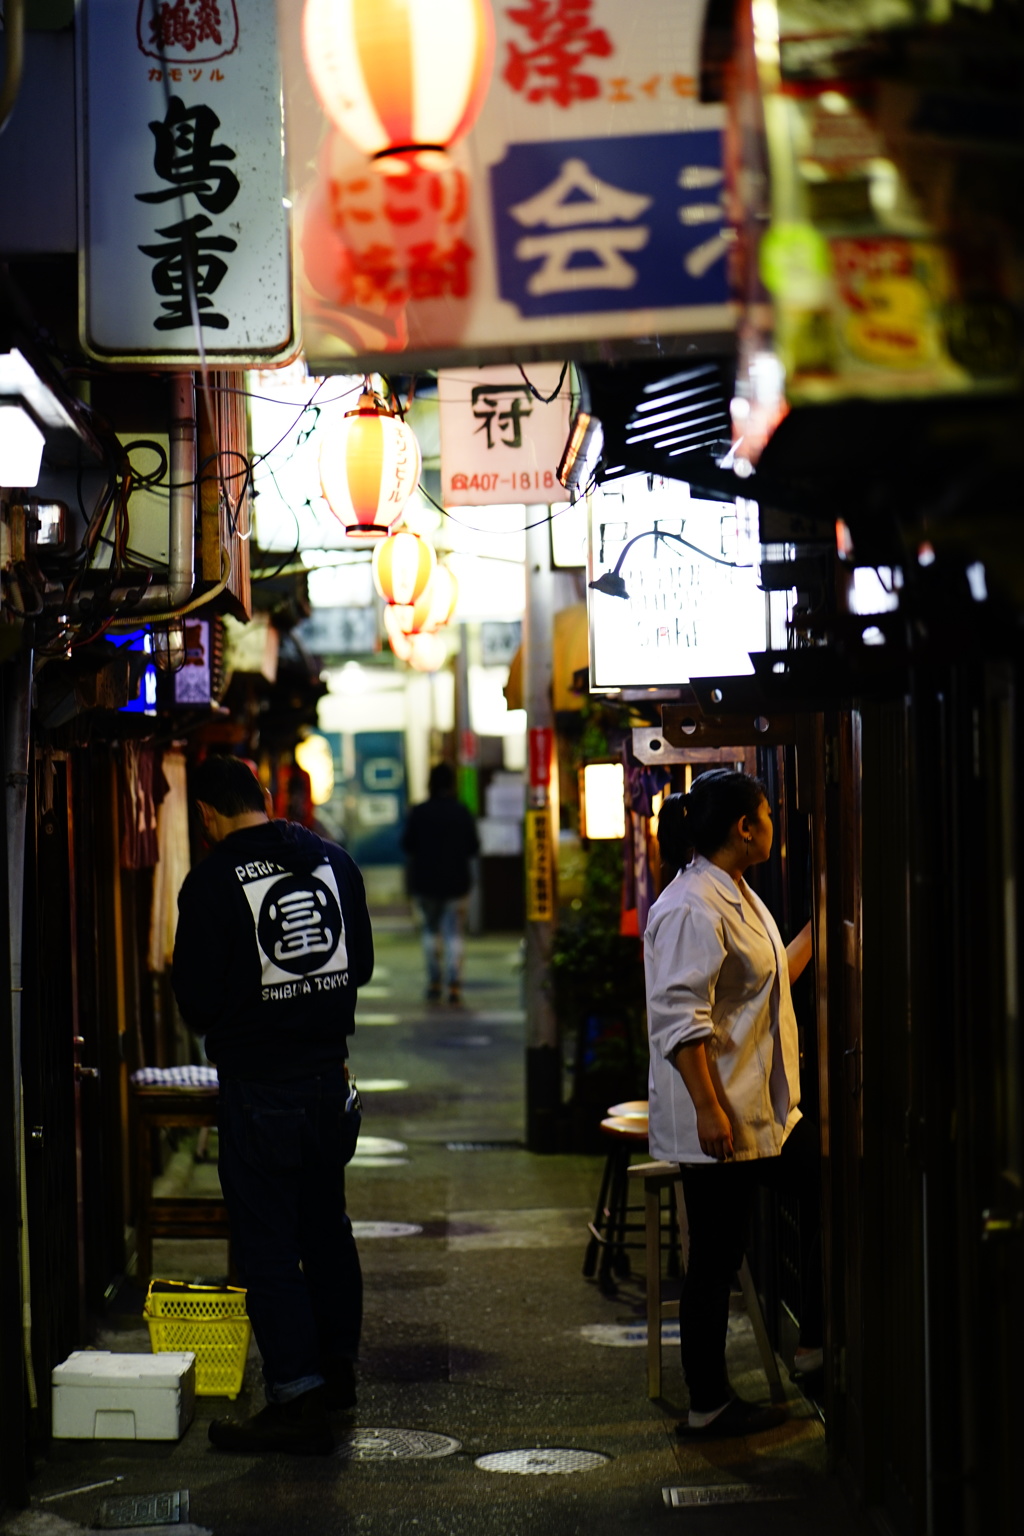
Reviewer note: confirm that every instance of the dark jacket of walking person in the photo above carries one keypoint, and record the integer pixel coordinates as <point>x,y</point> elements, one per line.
<point>273,940</point>
<point>439,840</point>
<point>724,1089</point>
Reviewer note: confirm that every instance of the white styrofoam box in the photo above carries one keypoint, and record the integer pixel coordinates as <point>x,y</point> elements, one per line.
<point>98,1395</point>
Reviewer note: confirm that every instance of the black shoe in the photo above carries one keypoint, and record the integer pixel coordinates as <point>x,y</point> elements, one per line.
<point>455,994</point>
<point>340,1387</point>
<point>738,1418</point>
<point>300,1428</point>
<point>434,992</point>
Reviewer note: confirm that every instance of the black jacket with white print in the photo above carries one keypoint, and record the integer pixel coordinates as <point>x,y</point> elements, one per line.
<point>273,939</point>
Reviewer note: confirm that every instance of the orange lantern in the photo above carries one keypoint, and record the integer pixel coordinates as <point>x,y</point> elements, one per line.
<point>383,232</point>
<point>396,75</point>
<point>431,610</point>
<point>427,652</point>
<point>369,468</point>
<point>402,567</point>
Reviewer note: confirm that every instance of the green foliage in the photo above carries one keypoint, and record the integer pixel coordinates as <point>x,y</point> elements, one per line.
<point>593,968</point>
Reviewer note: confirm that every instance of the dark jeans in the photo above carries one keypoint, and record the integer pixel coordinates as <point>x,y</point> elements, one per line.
<point>719,1203</point>
<point>283,1150</point>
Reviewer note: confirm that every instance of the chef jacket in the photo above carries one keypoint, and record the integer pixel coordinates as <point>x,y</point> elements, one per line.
<point>717,971</point>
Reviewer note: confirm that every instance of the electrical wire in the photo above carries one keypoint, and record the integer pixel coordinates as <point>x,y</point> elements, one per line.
<point>472,528</point>
<point>535,392</point>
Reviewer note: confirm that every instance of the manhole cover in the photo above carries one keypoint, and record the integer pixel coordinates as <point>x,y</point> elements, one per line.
<point>541,1461</point>
<point>385,1229</point>
<point>627,1335</point>
<point>379,1146</point>
<point>395,1445</point>
<point>144,1509</point>
<point>722,1493</point>
<point>483,1146</point>
<point>382,1084</point>
<point>379,1162</point>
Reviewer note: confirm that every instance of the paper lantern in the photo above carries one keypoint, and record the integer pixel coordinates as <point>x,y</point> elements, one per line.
<point>369,467</point>
<point>427,652</point>
<point>395,75</point>
<point>431,610</point>
<point>402,567</point>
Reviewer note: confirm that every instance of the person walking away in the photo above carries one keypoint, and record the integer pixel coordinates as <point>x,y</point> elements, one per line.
<point>439,840</point>
<point>724,1089</point>
<point>273,940</point>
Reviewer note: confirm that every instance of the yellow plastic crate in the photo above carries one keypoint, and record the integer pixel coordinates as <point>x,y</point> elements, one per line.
<point>210,1322</point>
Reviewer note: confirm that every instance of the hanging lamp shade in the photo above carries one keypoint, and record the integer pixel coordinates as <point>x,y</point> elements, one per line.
<point>369,468</point>
<point>402,567</point>
<point>431,610</point>
<point>396,75</point>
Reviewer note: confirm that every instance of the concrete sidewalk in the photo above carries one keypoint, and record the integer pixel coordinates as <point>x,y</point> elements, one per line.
<point>481,1337</point>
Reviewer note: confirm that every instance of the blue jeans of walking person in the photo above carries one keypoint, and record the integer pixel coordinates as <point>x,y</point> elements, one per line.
<point>283,1151</point>
<point>441,934</point>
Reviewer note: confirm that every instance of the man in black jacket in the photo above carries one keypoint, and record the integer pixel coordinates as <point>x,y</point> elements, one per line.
<point>273,939</point>
<point>439,840</point>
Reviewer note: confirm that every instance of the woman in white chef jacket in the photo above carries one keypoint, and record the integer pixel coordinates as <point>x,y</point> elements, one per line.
<point>724,1079</point>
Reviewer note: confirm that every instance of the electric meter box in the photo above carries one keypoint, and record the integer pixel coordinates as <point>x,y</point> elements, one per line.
<point>98,1395</point>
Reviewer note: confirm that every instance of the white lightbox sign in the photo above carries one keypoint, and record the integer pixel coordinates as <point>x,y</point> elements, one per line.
<point>182,172</point>
<point>685,615</point>
<point>499,443</point>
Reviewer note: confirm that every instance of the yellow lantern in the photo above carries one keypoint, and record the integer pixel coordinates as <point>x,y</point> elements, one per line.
<point>369,468</point>
<point>431,610</point>
<point>427,652</point>
<point>396,75</point>
<point>402,567</point>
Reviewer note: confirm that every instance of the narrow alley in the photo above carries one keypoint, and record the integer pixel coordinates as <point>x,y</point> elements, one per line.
<point>481,1338</point>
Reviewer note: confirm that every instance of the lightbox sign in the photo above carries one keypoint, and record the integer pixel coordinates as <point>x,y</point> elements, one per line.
<point>182,183</point>
<point>583,204</point>
<point>499,443</point>
<point>690,609</point>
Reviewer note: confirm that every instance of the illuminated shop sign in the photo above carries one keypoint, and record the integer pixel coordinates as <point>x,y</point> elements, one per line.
<point>499,443</point>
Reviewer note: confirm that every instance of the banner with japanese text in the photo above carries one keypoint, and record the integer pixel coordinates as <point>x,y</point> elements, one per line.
<point>499,442</point>
<point>583,205</point>
<point>185,246</point>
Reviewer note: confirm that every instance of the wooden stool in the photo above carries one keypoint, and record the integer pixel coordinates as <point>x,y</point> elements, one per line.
<point>625,1134</point>
<point>655,1178</point>
<point>158,1107</point>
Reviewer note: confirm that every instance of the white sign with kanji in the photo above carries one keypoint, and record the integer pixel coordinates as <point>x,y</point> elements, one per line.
<point>185,249</point>
<point>500,443</point>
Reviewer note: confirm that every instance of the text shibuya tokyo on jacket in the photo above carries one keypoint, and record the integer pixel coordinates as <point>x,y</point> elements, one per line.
<point>273,940</point>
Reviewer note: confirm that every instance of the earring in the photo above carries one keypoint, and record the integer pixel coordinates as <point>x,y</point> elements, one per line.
<point>748,839</point>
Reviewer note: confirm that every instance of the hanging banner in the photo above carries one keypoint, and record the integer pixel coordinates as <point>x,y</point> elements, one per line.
<point>499,443</point>
<point>185,250</point>
<point>582,204</point>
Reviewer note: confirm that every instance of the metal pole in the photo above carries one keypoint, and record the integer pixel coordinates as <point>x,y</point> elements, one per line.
<point>543,1062</point>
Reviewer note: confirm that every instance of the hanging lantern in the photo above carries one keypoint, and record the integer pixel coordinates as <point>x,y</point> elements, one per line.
<point>401,644</point>
<point>396,75</point>
<point>427,653</point>
<point>431,610</point>
<point>402,567</point>
<point>382,232</point>
<point>369,468</point>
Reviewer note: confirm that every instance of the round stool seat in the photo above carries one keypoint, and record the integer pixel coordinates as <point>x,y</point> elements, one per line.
<point>623,1129</point>
<point>630,1109</point>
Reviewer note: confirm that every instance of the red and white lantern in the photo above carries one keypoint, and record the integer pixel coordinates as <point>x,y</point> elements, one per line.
<point>431,610</point>
<point>402,567</point>
<point>369,468</point>
<point>395,75</point>
<point>428,652</point>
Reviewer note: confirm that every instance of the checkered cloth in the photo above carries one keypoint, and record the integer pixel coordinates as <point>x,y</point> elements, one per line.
<point>175,1077</point>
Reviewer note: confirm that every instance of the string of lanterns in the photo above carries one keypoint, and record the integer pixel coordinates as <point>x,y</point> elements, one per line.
<point>369,468</point>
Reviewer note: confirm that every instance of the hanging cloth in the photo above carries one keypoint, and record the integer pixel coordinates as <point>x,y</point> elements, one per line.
<point>172,864</point>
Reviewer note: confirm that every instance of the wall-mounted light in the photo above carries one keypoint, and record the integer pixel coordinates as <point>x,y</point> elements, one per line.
<point>611,582</point>
<point>602,802</point>
<point>369,467</point>
<point>314,756</point>
<point>396,75</point>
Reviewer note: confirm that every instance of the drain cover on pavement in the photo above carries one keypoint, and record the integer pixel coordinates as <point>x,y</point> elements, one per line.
<point>379,1146</point>
<point>542,1460</point>
<point>385,1229</point>
<point>627,1335</point>
<point>395,1445</point>
<point>721,1493</point>
<point>382,1084</point>
<point>144,1509</point>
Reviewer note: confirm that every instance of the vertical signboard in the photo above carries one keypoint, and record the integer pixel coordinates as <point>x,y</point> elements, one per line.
<point>540,901</point>
<point>499,442</point>
<point>584,204</point>
<point>185,236</point>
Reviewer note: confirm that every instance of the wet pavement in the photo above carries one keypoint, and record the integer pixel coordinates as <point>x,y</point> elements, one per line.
<point>481,1337</point>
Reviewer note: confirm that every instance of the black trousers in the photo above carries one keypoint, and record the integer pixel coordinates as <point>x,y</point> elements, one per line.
<point>719,1204</point>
